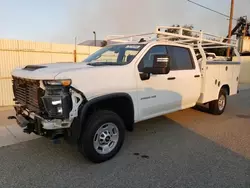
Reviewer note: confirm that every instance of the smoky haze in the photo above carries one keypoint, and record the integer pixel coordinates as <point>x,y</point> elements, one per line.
<point>138,16</point>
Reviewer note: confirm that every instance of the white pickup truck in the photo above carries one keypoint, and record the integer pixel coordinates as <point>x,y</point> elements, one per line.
<point>93,102</point>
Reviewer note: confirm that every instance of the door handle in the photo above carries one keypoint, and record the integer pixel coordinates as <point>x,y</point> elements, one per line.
<point>197,76</point>
<point>171,78</point>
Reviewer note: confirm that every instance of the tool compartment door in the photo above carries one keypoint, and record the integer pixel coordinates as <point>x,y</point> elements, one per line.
<point>217,74</point>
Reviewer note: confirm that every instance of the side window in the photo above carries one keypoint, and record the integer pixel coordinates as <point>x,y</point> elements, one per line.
<point>148,59</point>
<point>181,58</point>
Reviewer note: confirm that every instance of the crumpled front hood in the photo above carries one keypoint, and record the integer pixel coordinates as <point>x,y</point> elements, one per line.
<point>47,71</point>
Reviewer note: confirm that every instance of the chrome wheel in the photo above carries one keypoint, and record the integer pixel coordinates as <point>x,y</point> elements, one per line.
<point>106,138</point>
<point>221,102</point>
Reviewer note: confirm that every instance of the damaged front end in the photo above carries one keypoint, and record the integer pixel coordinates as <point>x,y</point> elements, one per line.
<point>45,107</point>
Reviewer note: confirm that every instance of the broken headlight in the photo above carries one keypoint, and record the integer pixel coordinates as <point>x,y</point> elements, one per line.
<point>57,101</point>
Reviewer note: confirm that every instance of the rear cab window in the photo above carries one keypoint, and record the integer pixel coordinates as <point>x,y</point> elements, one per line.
<point>181,58</point>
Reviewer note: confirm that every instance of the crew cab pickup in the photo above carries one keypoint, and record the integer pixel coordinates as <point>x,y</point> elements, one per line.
<point>94,101</point>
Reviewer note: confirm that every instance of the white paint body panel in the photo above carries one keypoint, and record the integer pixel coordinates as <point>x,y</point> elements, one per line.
<point>166,95</point>
<point>50,71</point>
<point>104,80</point>
<point>215,77</point>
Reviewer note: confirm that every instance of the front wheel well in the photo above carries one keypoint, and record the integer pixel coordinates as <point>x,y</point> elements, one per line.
<point>121,105</point>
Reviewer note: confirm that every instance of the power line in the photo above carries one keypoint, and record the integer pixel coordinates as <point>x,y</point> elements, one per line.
<point>210,9</point>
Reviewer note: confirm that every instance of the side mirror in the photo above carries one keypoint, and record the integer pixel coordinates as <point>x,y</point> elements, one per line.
<point>161,65</point>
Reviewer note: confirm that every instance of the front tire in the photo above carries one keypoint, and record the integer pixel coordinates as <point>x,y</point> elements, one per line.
<point>217,107</point>
<point>103,136</point>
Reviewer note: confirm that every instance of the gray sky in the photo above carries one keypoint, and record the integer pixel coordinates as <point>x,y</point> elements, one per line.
<point>61,20</point>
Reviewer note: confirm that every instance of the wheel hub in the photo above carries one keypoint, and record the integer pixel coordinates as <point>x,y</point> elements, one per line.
<point>221,102</point>
<point>106,138</point>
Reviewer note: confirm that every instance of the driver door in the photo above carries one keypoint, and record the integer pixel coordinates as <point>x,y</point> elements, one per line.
<point>157,94</point>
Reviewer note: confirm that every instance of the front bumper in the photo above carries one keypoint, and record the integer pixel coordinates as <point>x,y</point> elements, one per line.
<point>32,122</point>
<point>29,122</point>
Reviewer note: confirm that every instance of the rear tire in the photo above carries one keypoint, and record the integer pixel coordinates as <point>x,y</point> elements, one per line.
<point>103,136</point>
<point>217,107</point>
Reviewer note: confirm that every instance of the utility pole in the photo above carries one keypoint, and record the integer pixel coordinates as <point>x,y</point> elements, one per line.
<point>94,37</point>
<point>230,26</point>
<point>245,29</point>
<point>75,59</point>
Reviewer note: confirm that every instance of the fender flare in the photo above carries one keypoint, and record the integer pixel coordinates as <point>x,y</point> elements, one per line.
<point>81,122</point>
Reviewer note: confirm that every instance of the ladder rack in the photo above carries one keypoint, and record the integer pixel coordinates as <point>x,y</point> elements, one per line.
<point>192,37</point>
<point>178,35</point>
<point>130,38</point>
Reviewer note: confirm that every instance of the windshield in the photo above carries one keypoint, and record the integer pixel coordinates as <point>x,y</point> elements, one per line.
<point>115,54</point>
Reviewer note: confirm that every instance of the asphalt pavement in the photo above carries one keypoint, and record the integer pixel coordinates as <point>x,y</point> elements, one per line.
<point>189,148</point>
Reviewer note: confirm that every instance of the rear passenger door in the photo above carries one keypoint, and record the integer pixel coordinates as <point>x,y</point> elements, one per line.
<point>187,74</point>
